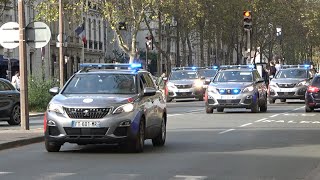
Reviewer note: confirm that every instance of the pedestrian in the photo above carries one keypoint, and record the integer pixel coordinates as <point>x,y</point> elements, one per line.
<point>272,69</point>
<point>16,80</point>
<point>278,65</point>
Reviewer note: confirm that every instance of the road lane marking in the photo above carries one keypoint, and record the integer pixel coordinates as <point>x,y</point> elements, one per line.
<point>170,115</point>
<point>226,131</point>
<point>261,120</point>
<point>56,175</point>
<point>275,115</point>
<point>184,177</point>
<point>244,125</point>
<point>3,173</point>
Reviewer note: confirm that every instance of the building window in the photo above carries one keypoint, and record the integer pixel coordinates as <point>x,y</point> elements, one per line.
<point>89,22</point>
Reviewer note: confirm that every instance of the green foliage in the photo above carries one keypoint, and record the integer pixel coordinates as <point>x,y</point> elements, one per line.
<point>38,95</point>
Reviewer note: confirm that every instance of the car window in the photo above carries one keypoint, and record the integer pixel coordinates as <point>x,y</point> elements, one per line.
<point>207,72</point>
<point>234,76</point>
<point>101,84</point>
<point>292,73</point>
<point>256,75</point>
<point>149,81</point>
<point>2,86</point>
<point>316,81</point>
<point>180,75</point>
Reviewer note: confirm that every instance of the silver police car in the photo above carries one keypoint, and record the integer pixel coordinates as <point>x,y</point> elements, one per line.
<point>290,82</point>
<point>184,83</point>
<point>106,103</point>
<point>238,86</point>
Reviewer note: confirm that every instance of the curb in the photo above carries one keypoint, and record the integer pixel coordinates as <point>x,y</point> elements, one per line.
<point>22,142</point>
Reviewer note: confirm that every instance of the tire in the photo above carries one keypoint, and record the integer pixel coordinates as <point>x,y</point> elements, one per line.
<point>255,107</point>
<point>52,147</point>
<point>264,106</point>
<point>220,109</point>
<point>209,110</point>
<point>15,118</point>
<point>272,101</point>
<point>283,100</point>
<point>308,109</point>
<point>161,138</point>
<point>137,143</point>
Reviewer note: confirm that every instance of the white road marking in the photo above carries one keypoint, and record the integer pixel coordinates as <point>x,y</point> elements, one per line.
<point>184,177</point>
<point>3,173</point>
<point>308,115</point>
<point>56,175</point>
<point>244,125</point>
<point>275,115</point>
<point>226,131</point>
<point>261,120</point>
<point>170,115</point>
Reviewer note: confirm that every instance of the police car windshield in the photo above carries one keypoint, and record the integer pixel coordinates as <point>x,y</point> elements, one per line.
<point>180,75</point>
<point>292,73</point>
<point>234,76</point>
<point>207,72</point>
<point>101,84</point>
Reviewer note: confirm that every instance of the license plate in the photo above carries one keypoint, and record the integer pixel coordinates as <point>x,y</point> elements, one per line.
<point>184,90</point>
<point>286,90</point>
<point>228,97</point>
<point>92,124</point>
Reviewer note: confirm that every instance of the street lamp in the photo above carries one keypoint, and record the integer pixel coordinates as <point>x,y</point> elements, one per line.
<point>279,36</point>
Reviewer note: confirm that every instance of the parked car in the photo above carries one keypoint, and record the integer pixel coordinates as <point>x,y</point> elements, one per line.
<point>9,103</point>
<point>312,95</point>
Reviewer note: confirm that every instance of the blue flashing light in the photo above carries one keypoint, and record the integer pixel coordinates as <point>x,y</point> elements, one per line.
<point>194,68</point>
<point>135,65</point>
<point>235,91</point>
<point>251,66</point>
<point>222,91</point>
<point>215,67</point>
<point>307,66</point>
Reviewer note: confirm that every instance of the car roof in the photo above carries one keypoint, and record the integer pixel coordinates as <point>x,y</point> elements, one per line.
<point>236,69</point>
<point>111,71</point>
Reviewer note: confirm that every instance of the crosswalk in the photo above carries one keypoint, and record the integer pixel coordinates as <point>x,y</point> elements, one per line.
<point>112,176</point>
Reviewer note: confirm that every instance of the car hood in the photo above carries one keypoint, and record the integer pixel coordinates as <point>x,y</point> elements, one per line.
<point>91,100</point>
<point>287,80</point>
<point>183,82</point>
<point>231,85</point>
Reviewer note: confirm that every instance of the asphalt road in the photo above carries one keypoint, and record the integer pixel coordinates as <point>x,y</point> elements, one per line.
<point>281,144</point>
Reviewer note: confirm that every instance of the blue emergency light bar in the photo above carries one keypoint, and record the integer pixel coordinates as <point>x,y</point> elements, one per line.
<point>111,66</point>
<point>307,66</point>
<point>249,66</point>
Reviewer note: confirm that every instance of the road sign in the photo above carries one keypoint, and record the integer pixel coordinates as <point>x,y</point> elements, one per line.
<point>38,34</point>
<point>9,37</point>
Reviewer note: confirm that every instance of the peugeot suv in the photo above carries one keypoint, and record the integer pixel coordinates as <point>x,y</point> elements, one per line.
<point>236,87</point>
<point>106,103</point>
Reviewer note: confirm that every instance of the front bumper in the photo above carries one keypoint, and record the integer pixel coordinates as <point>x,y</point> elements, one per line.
<point>108,132</point>
<point>287,93</point>
<point>185,93</point>
<point>243,100</point>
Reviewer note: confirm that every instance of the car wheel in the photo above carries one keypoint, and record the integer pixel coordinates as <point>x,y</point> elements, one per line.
<point>282,100</point>
<point>220,109</point>
<point>209,110</point>
<point>137,143</point>
<point>52,147</point>
<point>255,107</point>
<point>308,109</point>
<point>15,115</point>
<point>264,106</point>
<point>161,138</point>
<point>272,101</point>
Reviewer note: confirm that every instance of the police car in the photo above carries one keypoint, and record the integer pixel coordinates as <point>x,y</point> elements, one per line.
<point>207,74</point>
<point>106,103</point>
<point>184,82</point>
<point>236,86</point>
<point>290,82</point>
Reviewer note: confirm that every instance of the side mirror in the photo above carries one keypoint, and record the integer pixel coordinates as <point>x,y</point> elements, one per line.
<point>149,91</point>
<point>202,77</point>
<point>54,91</point>
<point>207,81</point>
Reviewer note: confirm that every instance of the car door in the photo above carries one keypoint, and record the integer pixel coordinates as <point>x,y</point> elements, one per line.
<point>7,99</point>
<point>260,85</point>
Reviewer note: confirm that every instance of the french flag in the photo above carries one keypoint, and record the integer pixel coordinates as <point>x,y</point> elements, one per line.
<point>81,32</point>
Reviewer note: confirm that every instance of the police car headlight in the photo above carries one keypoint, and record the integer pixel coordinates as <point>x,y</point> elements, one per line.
<point>303,83</point>
<point>124,108</point>
<point>248,89</point>
<point>55,108</point>
<point>212,89</point>
<point>198,84</point>
<point>171,85</point>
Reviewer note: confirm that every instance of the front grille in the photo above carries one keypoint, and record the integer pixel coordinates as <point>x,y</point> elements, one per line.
<point>121,131</point>
<point>286,85</point>
<point>286,93</point>
<point>86,113</point>
<point>85,131</point>
<point>184,93</point>
<point>53,131</point>
<point>229,91</point>
<point>186,86</point>
<point>229,102</point>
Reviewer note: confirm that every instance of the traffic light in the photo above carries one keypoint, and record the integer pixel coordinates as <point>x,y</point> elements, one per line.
<point>247,20</point>
<point>149,42</point>
<point>122,26</point>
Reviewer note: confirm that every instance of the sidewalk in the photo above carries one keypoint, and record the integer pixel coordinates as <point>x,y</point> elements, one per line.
<point>11,138</point>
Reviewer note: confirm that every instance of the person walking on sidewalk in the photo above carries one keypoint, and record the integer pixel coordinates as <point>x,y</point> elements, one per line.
<point>16,80</point>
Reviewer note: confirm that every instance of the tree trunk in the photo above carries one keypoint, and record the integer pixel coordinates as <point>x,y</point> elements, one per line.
<point>201,44</point>
<point>168,58</point>
<point>178,63</point>
<point>190,62</point>
<point>184,50</point>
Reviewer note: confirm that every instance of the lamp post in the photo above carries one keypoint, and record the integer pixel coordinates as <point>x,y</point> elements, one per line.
<point>279,36</point>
